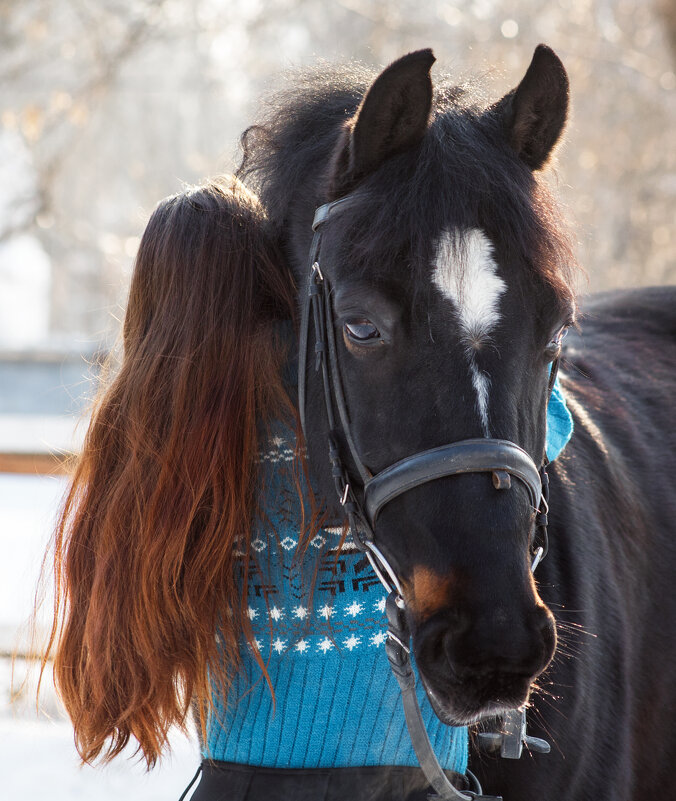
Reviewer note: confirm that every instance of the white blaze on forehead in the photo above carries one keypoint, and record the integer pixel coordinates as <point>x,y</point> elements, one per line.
<point>465,272</point>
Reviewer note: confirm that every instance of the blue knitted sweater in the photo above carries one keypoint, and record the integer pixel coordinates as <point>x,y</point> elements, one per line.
<point>321,629</point>
<point>319,623</point>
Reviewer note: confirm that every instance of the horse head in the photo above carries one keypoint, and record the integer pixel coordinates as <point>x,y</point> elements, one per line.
<point>448,297</point>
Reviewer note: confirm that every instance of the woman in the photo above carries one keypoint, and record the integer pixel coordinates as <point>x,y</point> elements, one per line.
<point>190,566</point>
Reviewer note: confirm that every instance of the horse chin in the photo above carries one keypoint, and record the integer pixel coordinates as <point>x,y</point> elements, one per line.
<point>462,706</point>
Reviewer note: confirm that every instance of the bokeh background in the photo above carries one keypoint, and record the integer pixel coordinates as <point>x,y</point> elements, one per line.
<point>108,105</point>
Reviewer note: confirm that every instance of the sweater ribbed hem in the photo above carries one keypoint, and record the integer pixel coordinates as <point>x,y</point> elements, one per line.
<point>340,710</point>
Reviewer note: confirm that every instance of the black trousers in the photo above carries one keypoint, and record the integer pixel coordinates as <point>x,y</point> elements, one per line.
<point>228,781</point>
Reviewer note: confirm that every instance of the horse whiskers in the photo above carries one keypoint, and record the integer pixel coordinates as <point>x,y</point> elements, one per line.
<point>563,607</point>
<point>569,640</point>
<point>542,691</point>
<point>567,651</point>
<point>539,718</point>
<point>569,644</point>
<point>577,628</point>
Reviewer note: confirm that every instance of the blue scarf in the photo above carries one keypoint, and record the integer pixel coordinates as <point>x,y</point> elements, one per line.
<point>559,423</point>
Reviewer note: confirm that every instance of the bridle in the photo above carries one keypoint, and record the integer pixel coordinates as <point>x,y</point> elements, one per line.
<point>503,459</point>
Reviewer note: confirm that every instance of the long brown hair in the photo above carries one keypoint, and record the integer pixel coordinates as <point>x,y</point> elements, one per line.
<point>162,495</point>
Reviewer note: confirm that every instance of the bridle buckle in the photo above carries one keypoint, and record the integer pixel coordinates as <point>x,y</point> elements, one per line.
<point>316,270</point>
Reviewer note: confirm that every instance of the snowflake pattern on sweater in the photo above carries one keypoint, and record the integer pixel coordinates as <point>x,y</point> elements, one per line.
<point>327,599</point>
<point>318,619</point>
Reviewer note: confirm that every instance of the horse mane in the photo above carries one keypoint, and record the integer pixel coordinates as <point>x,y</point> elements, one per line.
<point>463,171</point>
<point>163,494</point>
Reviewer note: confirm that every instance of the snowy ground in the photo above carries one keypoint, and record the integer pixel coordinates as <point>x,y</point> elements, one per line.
<point>38,761</point>
<point>37,756</point>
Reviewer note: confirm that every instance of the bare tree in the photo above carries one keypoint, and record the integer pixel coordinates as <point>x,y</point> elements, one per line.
<point>114,103</point>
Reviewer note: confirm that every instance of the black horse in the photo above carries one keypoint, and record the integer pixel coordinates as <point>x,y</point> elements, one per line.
<point>451,286</point>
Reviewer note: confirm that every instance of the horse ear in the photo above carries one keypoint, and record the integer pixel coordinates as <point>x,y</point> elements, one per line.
<point>392,117</point>
<point>535,112</point>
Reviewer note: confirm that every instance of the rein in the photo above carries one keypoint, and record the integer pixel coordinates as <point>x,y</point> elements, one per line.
<point>503,459</point>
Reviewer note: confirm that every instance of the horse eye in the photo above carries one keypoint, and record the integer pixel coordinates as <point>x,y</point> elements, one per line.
<point>554,345</point>
<point>361,330</point>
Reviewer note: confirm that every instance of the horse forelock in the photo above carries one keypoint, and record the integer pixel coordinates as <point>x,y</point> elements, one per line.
<point>462,176</point>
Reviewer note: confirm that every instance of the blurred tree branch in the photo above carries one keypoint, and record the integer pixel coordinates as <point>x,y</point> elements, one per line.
<point>112,103</point>
<point>58,131</point>
<point>667,10</point>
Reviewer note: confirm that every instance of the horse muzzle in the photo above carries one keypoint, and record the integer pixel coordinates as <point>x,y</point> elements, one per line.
<point>480,665</point>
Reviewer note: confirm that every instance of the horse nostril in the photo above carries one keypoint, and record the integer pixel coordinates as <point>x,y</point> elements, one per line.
<point>456,645</point>
<point>430,635</point>
<point>437,637</point>
<point>437,651</point>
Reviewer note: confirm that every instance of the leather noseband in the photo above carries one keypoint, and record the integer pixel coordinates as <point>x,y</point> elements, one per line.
<point>497,456</point>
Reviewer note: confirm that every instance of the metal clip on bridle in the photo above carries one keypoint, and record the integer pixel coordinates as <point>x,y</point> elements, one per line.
<point>503,459</point>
